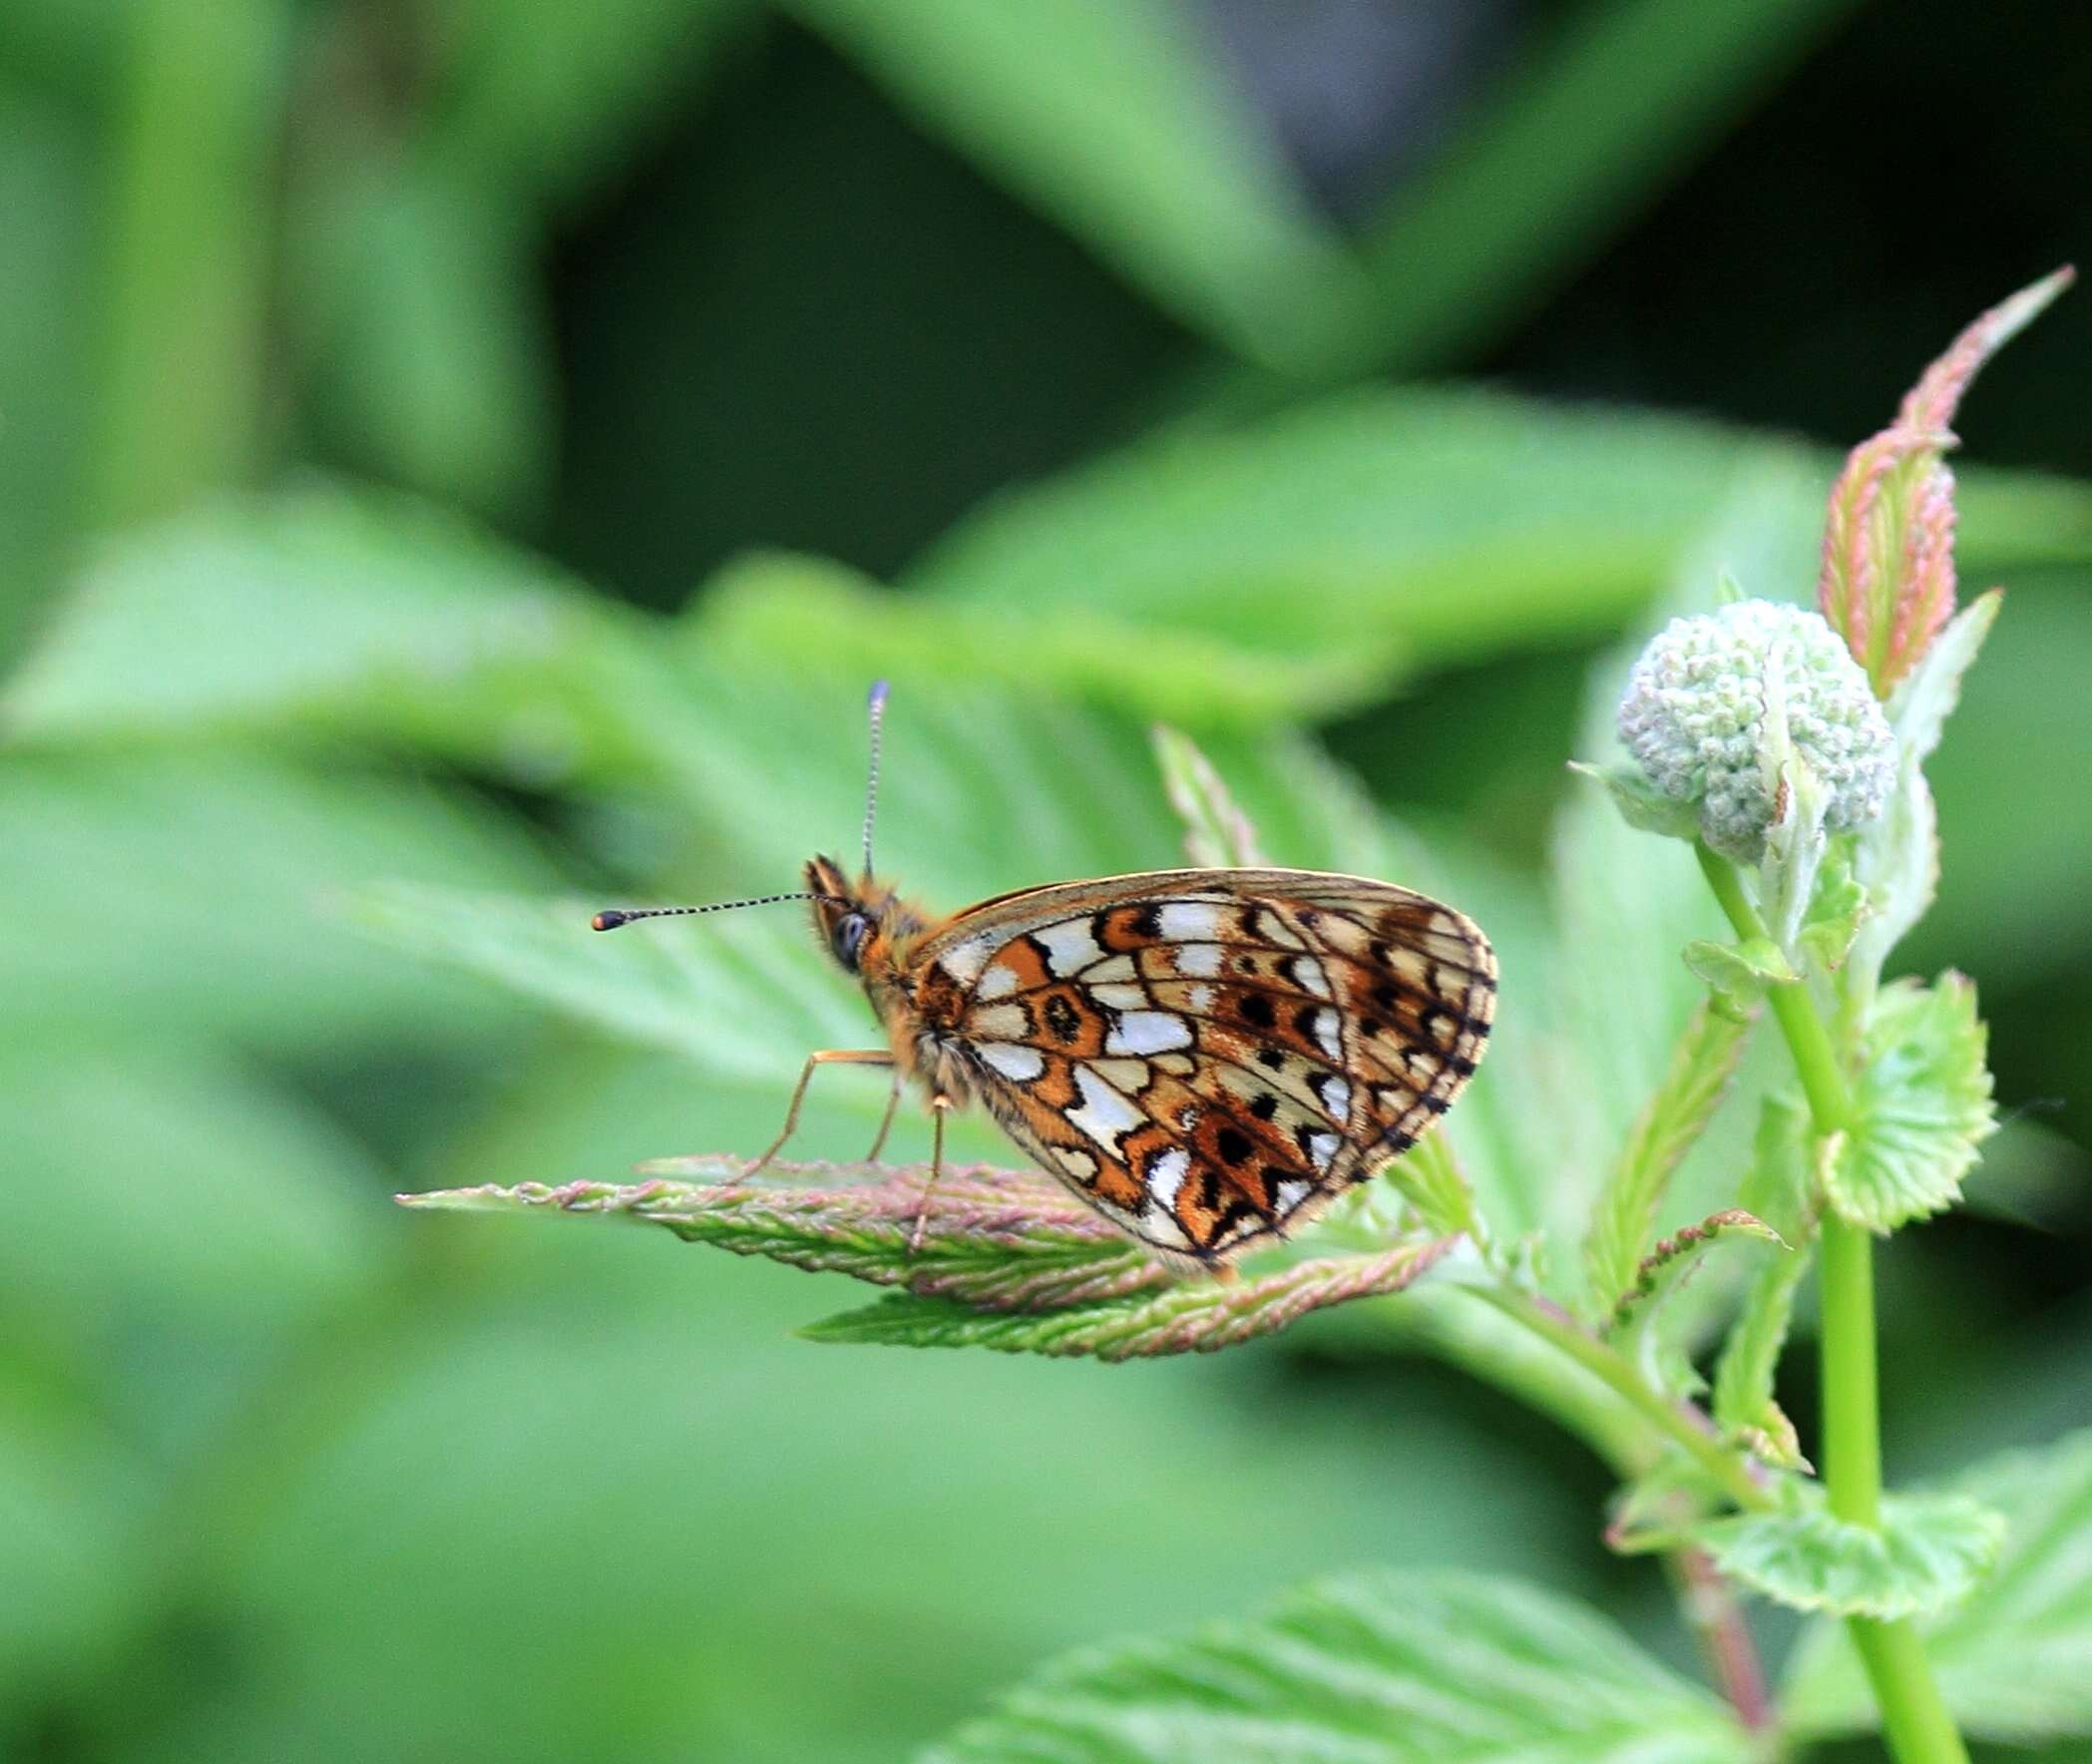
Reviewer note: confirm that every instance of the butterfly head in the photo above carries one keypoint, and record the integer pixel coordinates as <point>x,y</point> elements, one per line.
<point>861,921</point>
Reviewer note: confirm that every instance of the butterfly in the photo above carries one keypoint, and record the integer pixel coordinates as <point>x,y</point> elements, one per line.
<point>1206,1057</point>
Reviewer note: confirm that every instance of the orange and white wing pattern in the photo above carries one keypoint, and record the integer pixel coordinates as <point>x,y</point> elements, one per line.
<point>1208,1056</point>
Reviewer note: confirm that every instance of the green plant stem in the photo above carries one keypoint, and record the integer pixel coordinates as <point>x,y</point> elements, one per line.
<point>185,255</point>
<point>1913,1715</point>
<point>1618,1375</point>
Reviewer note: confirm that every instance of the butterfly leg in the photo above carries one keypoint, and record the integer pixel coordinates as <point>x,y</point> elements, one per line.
<point>940,1107</point>
<point>886,1122</point>
<point>826,1057</point>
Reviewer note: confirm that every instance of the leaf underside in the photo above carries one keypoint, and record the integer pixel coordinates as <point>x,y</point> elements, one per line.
<point>1929,1551</point>
<point>1376,1669</point>
<point>995,1258</point>
<point>2014,1659</point>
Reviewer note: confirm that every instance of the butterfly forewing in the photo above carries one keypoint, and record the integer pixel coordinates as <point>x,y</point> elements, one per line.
<point>1210,1056</point>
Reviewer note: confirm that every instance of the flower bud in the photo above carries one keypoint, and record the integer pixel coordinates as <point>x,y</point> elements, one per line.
<point>1720,706</point>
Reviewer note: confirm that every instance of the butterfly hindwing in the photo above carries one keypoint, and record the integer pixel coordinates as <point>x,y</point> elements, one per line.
<point>1208,1056</point>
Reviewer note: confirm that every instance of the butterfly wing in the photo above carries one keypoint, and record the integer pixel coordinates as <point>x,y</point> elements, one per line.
<point>1208,1056</point>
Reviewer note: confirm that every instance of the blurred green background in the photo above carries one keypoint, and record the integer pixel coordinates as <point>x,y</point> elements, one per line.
<point>490,445</point>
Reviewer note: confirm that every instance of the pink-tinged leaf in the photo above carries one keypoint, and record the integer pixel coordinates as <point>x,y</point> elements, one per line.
<point>994,1239</point>
<point>1888,577</point>
<point>1005,1259</point>
<point>1191,1315</point>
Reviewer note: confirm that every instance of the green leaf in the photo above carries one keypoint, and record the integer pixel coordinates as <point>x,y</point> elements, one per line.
<point>1583,133</point>
<point>2014,1659</point>
<point>1835,915</point>
<point>1217,834</point>
<point>1375,531</point>
<point>541,99</point>
<point>1897,858</point>
<point>1737,973</point>
<point>1922,1107</point>
<point>1642,806</point>
<point>1794,844</point>
<point>1370,1669</point>
<point>996,1240</point>
<point>774,603</point>
<point>321,610</point>
<point>1928,1552</point>
<point>1702,1065</point>
<point>1195,1314</point>
<point>741,993</point>
<point>1118,120</point>
<point>1429,1176</point>
<point>1365,532</point>
<point>420,330</point>
<point>1778,1188</point>
<point>1672,1259</point>
<point>134,887</point>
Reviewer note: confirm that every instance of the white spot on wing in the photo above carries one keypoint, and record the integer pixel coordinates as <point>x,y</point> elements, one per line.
<point>965,959</point>
<point>1308,976</point>
<point>1329,1033</point>
<point>1288,1196</point>
<point>1321,1148</point>
<point>1068,946</point>
<point>999,1023</point>
<point>1160,1226</point>
<point>1105,1117</point>
<point>1018,1063</point>
<point>1147,1031</point>
<point>1336,1098</point>
<point>998,983</point>
<point>1117,967</point>
<point>1119,998</point>
<point>1074,1160</point>
<point>1199,961</point>
<point>1164,1175</point>
<point>1190,921</point>
<point>1199,998</point>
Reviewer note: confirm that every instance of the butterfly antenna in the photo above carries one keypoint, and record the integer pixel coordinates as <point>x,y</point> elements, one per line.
<point>613,917</point>
<point>875,708</point>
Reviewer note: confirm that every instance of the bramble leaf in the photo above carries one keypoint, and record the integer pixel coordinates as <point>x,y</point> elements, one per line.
<point>997,1239</point>
<point>1737,973</point>
<point>739,993</point>
<point>1922,1107</point>
<point>995,1258</point>
<point>1701,1067</point>
<point>1897,859</point>
<point>1217,834</point>
<point>1191,1314</point>
<point>1383,1668</point>
<point>1429,1176</point>
<point>1888,580</point>
<point>1673,1258</point>
<point>2014,1659</point>
<point>1118,120</point>
<point>1928,1552</point>
<point>1776,1186</point>
<point>1642,806</point>
<point>1835,916</point>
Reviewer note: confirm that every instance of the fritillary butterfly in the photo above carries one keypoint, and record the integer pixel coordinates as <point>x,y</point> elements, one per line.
<point>1205,1056</point>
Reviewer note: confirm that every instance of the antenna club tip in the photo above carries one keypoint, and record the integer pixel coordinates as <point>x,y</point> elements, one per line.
<point>609,920</point>
<point>877,695</point>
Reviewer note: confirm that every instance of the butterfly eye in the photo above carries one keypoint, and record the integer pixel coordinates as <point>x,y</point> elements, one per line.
<point>847,939</point>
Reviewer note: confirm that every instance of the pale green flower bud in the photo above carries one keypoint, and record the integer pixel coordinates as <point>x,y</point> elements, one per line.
<point>1719,705</point>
